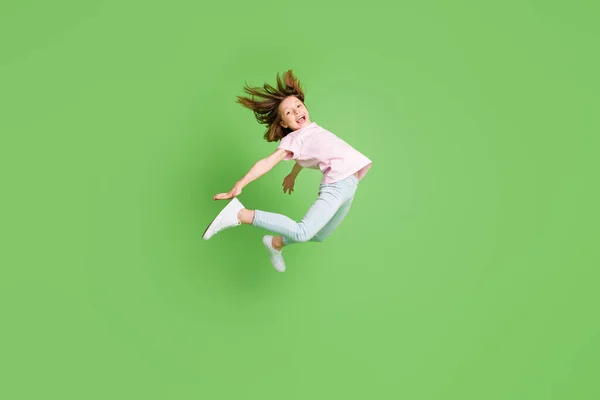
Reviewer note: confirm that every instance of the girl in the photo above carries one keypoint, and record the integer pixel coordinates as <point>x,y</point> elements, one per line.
<point>282,109</point>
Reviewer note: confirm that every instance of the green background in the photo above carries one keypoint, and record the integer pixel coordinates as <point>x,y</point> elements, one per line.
<point>466,269</point>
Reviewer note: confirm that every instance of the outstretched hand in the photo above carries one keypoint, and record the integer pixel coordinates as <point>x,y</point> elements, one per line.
<point>234,192</point>
<point>288,183</point>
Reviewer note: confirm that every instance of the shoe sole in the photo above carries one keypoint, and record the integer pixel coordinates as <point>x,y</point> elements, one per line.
<point>216,219</point>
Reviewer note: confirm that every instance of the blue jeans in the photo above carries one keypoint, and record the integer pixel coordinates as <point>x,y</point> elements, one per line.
<point>320,221</point>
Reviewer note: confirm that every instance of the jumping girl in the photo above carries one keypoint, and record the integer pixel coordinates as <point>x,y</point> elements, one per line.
<point>283,110</point>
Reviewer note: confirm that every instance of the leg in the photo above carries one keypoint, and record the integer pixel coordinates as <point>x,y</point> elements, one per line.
<point>333,223</point>
<point>324,208</point>
<point>247,217</point>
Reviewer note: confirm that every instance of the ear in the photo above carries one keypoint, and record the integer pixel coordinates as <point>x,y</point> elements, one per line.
<point>282,124</point>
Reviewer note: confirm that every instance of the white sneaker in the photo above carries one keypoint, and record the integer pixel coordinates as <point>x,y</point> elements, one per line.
<point>276,257</point>
<point>227,218</point>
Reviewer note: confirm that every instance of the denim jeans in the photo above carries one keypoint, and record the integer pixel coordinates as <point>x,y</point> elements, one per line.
<point>320,221</point>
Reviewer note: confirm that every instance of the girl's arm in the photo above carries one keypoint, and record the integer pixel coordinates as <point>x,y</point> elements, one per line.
<point>259,169</point>
<point>262,167</point>
<point>288,181</point>
<point>296,170</point>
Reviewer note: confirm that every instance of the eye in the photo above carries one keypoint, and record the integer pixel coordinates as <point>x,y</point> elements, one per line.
<point>287,113</point>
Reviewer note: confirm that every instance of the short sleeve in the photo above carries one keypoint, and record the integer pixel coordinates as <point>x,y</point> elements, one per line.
<point>290,143</point>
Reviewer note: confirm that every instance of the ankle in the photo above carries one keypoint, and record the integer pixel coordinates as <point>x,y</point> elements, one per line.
<point>246,216</point>
<point>277,243</point>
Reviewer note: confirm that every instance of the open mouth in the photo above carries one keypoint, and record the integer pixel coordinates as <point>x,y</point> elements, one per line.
<point>301,120</point>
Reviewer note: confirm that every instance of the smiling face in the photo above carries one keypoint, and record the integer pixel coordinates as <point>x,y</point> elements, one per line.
<point>294,114</point>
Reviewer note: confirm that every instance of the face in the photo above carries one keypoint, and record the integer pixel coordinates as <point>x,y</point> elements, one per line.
<point>293,113</point>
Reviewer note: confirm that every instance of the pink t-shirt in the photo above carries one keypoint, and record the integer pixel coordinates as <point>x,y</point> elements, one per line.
<point>317,148</point>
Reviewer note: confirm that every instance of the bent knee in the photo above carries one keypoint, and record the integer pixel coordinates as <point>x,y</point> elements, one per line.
<point>302,235</point>
<point>317,238</point>
<point>302,238</point>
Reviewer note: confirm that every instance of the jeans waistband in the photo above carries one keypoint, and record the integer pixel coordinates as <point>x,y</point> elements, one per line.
<point>351,180</point>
